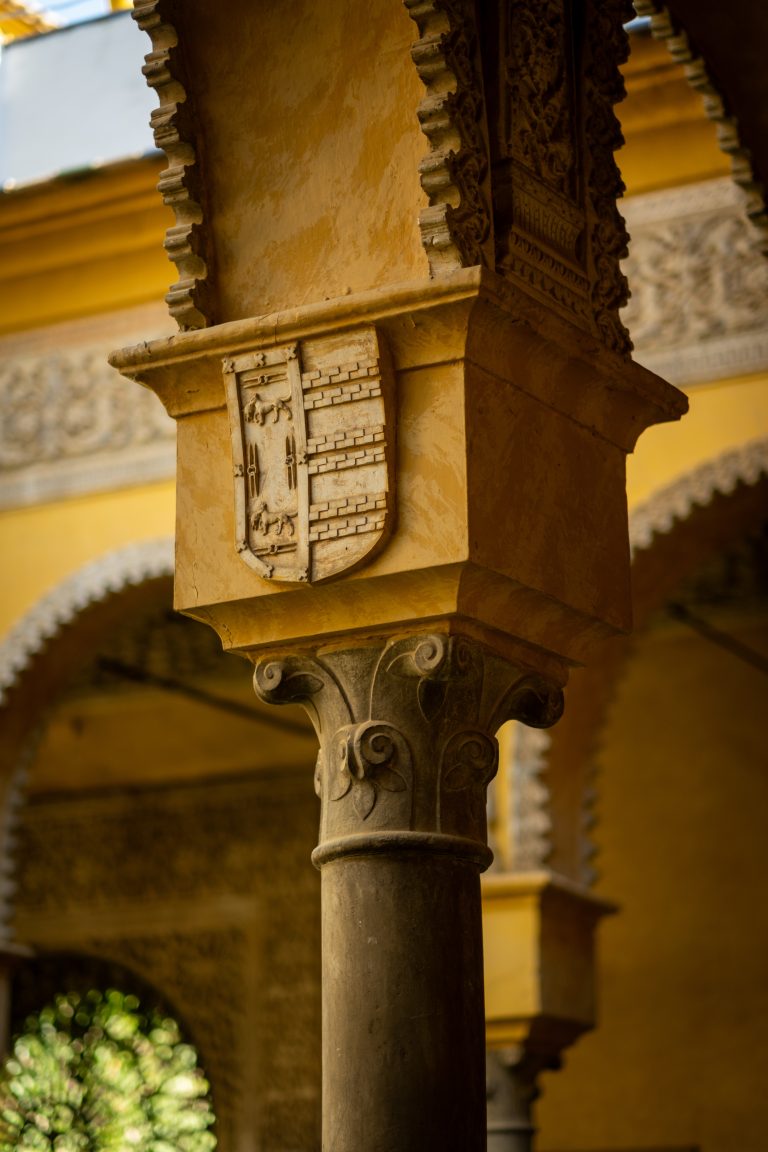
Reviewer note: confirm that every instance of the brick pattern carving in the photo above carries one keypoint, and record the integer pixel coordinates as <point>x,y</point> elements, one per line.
<point>699,305</point>
<point>428,771</point>
<point>664,27</point>
<point>457,227</point>
<point>312,445</point>
<point>173,123</point>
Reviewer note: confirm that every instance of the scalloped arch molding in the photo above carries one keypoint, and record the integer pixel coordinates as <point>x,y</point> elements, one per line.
<point>133,565</point>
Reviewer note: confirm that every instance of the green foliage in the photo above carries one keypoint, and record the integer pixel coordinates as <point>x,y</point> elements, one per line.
<point>95,1072</point>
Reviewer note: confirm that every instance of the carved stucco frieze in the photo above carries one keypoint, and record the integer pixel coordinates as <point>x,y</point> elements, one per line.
<point>457,227</point>
<point>699,304</point>
<point>181,184</point>
<point>407,730</point>
<point>69,425</point>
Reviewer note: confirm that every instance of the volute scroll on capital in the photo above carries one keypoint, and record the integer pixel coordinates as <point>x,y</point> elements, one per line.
<point>407,729</point>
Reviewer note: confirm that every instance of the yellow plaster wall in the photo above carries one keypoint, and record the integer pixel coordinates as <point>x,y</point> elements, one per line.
<point>722,416</point>
<point>43,545</point>
<point>334,192</point>
<point>680,1054</point>
<point>83,245</point>
<point>668,138</point>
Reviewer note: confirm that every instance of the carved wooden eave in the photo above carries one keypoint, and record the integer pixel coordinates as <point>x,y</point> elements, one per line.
<point>187,244</point>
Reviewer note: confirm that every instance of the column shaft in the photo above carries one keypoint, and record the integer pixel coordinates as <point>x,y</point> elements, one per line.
<point>403,1020</point>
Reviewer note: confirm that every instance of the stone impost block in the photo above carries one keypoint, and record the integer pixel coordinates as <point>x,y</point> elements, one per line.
<point>480,483</point>
<point>539,953</point>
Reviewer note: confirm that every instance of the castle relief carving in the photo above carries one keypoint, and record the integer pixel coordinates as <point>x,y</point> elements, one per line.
<point>312,449</point>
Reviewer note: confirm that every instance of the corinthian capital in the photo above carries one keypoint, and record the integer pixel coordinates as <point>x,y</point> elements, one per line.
<point>407,731</point>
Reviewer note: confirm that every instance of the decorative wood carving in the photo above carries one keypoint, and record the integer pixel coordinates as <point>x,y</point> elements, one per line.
<point>457,227</point>
<point>555,181</point>
<point>313,454</point>
<point>675,502</point>
<point>664,27</point>
<point>173,123</point>
<point>428,770</point>
<point>530,119</point>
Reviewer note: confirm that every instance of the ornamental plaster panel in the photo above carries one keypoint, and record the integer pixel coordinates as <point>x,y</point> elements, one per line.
<point>699,306</point>
<point>68,423</point>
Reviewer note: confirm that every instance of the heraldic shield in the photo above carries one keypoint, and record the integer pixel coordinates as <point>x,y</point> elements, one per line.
<point>313,454</point>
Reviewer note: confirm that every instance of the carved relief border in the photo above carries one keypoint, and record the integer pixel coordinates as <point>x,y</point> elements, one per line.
<point>68,424</point>
<point>457,227</point>
<point>699,306</point>
<point>173,123</point>
<point>663,27</point>
<point>607,48</point>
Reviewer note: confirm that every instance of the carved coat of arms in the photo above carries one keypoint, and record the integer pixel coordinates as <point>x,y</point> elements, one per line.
<point>313,453</point>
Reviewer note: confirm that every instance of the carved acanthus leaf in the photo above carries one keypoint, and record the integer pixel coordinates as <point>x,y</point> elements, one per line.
<point>173,123</point>
<point>407,729</point>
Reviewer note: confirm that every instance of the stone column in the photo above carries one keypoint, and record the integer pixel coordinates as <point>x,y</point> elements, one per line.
<point>511,1090</point>
<point>407,747</point>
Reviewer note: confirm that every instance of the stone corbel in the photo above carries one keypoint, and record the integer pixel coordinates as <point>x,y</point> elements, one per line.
<point>540,980</point>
